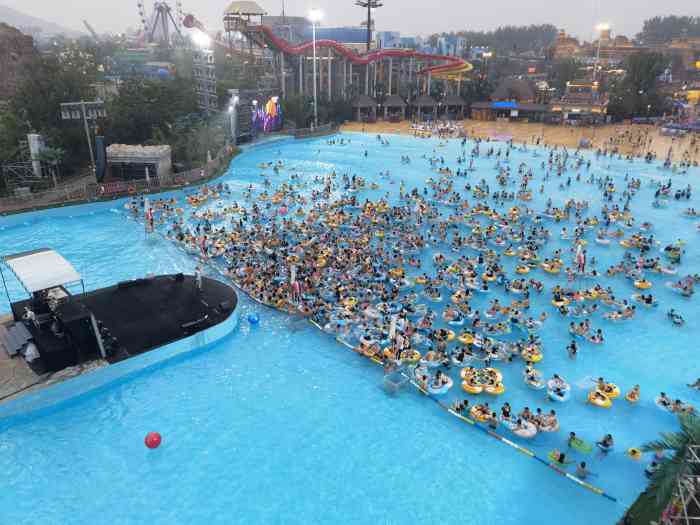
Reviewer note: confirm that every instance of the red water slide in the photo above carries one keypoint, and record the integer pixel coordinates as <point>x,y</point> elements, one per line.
<point>451,64</point>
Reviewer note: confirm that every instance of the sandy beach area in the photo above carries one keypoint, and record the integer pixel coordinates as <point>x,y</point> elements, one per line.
<point>628,139</point>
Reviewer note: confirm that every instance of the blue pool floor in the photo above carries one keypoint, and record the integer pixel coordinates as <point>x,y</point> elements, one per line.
<point>279,423</point>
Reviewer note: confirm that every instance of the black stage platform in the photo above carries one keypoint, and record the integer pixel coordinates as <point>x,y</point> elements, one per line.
<point>138,316</point>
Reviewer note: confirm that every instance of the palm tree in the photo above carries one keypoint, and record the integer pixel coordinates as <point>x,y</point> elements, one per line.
<point>664,481</point>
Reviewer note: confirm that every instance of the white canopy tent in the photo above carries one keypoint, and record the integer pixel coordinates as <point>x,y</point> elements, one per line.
<point>41,269</point>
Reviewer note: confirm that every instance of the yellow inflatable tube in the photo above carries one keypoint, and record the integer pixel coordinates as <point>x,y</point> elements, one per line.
<point>466,338</point>
<point>611,390</point>
<point>478,414</point>
<point>642,284</point>
<point>599,399</point>
<point>495,390</point>
<point>471,388</point>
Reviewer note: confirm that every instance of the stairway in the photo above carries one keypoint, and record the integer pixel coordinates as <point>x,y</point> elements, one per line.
<point>14,338</point>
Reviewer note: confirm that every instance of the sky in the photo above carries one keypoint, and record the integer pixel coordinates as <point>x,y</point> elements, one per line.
<point>410,17</point>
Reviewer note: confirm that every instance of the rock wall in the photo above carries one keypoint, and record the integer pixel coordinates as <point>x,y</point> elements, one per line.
<point>15,49</point>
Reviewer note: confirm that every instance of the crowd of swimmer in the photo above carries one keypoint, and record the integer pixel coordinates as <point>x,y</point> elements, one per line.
<point>353,266</point>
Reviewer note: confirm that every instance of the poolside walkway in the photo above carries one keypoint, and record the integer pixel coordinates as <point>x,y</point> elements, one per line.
<point>623,136</point>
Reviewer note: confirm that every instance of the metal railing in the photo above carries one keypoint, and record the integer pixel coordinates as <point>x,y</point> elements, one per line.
<point>88,190</point>
<point>66,192</point>
<point>42,199</point>
<point>109,190</point>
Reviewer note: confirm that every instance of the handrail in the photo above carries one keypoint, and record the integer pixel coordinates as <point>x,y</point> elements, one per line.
<point>453,63</point>
<point>90,191</point>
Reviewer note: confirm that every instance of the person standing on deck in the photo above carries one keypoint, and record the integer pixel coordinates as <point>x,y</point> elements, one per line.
<point>198,278</point>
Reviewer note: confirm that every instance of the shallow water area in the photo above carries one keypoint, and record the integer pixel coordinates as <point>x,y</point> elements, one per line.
<point>280,423</point>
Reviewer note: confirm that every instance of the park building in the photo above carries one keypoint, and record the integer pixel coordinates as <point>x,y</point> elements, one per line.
<point>519,99</point>
<point>135,162</point>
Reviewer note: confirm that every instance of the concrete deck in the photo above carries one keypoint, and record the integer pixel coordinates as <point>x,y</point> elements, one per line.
<point>16,378</point>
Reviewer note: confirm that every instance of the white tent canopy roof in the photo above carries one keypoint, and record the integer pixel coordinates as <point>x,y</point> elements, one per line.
<point>41,269</point>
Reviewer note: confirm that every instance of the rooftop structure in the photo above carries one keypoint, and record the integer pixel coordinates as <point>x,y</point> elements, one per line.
<point>365,108</point>
<point>521,99</point>
<point>453,45</point>
<point>394,108</point>
<point>41,269</point>
<point>612,49</point>
<point>126,162</point>
<point>453,107</point>
<point>158,70</point>
<point>426,107</point>
<point>688,49</point>
<point>245,9</point>
<point>409,42</point>
<point>388,39</point>
<point>131,61</point>
<point>291,28</point>
<point>352,37</point>
<point>581,101</point>
<point>581,91</point>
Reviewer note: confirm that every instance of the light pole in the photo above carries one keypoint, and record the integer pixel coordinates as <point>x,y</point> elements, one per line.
<point>85,111</point>
<point>315,16</point>
<point>233,118</point>
<point>369,4</point>
<point>485,57</point>
<point>600,28</point>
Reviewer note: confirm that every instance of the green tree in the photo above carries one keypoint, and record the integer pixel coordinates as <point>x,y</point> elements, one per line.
<point>478,89</point>
<point>659,30</point>
<point>299,110</point>
<point>337,110</point>
<point>192,136</point>
<point>508,39</point>
<point>672,468</point>
<point>47,81</point>
<point>637,94</point>
<point>143,106</point>
<point>165,112</point>
<point>12,130</point>
<point>53,157</point>
<point>564,71</point>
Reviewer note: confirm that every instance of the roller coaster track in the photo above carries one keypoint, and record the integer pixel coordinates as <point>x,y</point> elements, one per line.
<point>452,68</point>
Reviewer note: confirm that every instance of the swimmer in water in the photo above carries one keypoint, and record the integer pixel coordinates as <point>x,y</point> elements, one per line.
<point>582,471</point>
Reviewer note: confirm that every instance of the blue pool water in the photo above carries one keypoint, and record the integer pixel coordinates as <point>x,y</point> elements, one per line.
<point>279,423</point>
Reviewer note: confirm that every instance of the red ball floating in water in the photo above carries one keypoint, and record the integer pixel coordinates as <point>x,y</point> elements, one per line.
<point>152,440</point>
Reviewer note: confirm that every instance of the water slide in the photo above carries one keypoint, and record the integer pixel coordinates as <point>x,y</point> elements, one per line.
<point>452,68</point>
